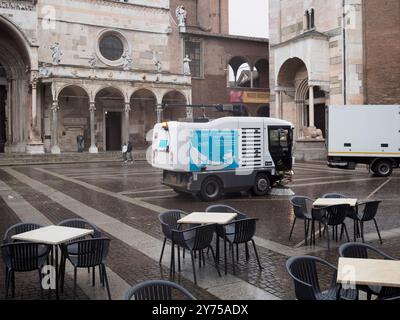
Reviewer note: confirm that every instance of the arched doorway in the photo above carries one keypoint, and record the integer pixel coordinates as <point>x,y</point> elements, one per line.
<point>15,94</point>
<point>74,118</point>
<point>109,114</point>
<point>142,118</point>
<point>174,106</point>
<point>301,103</point>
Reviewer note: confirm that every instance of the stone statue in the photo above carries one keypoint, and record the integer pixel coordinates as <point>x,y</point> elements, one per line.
<point>186,66</point>
<point>181,15</point>
<point>313,133</point>
<point>157,63</point>
<point>127,61</point>
<point>57,54</point>
<point>93,61</point>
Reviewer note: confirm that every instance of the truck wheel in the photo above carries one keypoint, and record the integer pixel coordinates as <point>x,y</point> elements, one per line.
<point>262,185</point>
<point>211,189</point>
<point>383,168</point>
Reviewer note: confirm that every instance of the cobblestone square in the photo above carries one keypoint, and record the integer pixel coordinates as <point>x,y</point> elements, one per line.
<point>124,202</point>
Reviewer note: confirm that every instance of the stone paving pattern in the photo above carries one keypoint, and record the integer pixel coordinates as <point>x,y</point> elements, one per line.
<point>141,182</point>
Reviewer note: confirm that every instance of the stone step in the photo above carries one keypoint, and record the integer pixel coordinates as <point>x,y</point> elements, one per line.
<point>25,159</point>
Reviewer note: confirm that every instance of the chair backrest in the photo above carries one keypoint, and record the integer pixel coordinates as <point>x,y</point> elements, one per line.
<point>90,253</point>
<point>360,251</point>
<point>158,290</point>
<point>244,230</point>
<point>336,215</point>
<point>19,228</point>
<point>227,209</point>
<point>196,238</point>
<point>24,256</point>
<point>169,221</point>
<point>333,195</point>
<point>81,224</point>
<point>370,210</point>
<point>303,271</point>
<point>299,204</point>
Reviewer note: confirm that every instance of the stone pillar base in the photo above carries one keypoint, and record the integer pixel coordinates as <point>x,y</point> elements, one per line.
<point>35,148</point>
<point>310,149</point>
<point>56,150</point>
<point>93,149</point>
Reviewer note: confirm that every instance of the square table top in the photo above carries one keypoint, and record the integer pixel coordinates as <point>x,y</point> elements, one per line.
<point>326,202</point>
<point>208,218</point>
<point>372,272</point>
<point>53,235</point>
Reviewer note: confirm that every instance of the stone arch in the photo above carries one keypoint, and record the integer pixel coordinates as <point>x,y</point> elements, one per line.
<point>73,117</point>
<point>109,88</point>
<point>238,66</point>
<point>288,70</point>
<point>174,105</point>
<point>109,114</point>
<point>73,87</point>
<point>143,117</point>
<point>17,60</point>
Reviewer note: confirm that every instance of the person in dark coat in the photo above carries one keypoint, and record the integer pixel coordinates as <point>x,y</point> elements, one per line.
<point>129,156</point>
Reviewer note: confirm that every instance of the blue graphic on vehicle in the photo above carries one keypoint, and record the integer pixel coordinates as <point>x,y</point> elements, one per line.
<point>214,150</point>
<point>163,146</point>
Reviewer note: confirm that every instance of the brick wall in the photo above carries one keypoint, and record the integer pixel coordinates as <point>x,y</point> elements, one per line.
<point>382,56</point>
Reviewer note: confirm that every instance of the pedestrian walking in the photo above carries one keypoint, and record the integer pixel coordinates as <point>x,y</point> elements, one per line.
<point>80,141</point>
<point>129,156</point>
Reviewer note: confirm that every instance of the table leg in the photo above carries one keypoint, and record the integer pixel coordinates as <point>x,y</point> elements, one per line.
<point>217,250</point>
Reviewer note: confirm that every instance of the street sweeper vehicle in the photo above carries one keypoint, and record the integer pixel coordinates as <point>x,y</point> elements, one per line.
<point>224,155</point>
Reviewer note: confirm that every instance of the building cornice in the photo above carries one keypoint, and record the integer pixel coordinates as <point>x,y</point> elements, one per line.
<point>313,34</point>
<point>199,33</point>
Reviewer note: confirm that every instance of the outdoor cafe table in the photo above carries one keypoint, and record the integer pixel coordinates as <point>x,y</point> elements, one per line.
<point>54,236</point>
<point>326,202</point>
<point>372,272</point>
<point>208,218</point>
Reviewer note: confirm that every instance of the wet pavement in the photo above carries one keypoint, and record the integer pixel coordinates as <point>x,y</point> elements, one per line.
<point>125,200</point>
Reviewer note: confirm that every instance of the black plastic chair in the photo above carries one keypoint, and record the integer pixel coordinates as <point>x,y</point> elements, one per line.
<point>227,209</point>
<point>363,251</point>
<point>23,257</point>
<point>18,229</point>
<point>73,249</point>
<point>90,253</point>
<point>301,210</point>
<point>368,214</point>
<point>304,272</point>
<point>157,290</point>
<point>239,232</point>
<point>352,213</point>
<point>195,240</point>
<point>169,222</point>
<point>333,216</point>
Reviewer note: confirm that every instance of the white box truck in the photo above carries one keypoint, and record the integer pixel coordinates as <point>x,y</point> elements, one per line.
<point>364,134</point>
<point>225,155</point>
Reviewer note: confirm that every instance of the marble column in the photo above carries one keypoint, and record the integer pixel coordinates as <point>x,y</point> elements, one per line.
<point>35,144</point>
<point>92,110</point>
<point>278,104</point>
<point>311,108</point>
<point>159,111</point>
<point>128,110</point>
<point>55,149</point>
